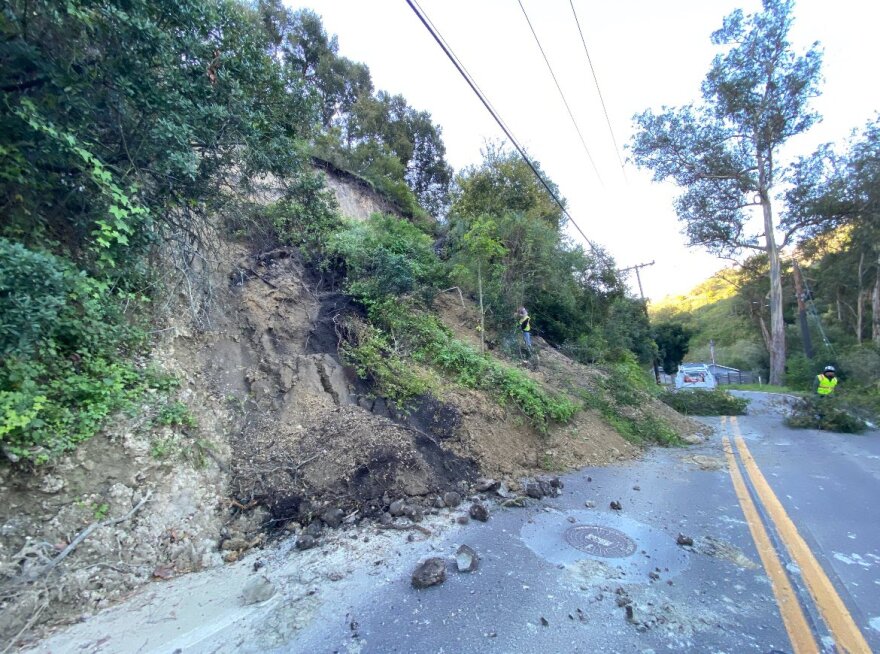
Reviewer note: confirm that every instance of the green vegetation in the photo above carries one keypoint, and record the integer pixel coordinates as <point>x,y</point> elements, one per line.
<point>133,133</point>
<point>618,395</point>
<point>824,302</point>
<point>392,270</point>
<point>725,153</point>
<point>175,414</point>
<point>828,414</point>
<point>699,402</point>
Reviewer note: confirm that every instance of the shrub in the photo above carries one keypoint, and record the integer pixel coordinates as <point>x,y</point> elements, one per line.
<point>705,403</point>
<point>61,341</point>
<point>827,414</point>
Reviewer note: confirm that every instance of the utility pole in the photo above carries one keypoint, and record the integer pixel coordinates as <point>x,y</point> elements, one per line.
<point>638,267</point>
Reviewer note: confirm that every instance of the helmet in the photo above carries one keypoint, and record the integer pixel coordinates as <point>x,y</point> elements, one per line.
<point>829,368</point>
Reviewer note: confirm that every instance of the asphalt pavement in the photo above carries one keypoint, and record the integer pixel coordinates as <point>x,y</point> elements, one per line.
<point>762,539</point>
<point>558,576</point>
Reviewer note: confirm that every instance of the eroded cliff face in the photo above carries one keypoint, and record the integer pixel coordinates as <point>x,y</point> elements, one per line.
<point>355,197</point>
<point>285,440</point>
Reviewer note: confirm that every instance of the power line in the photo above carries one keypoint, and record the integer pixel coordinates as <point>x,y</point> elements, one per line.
<point>561,94</point>
<point>419,12</point>
<point>598,90</point>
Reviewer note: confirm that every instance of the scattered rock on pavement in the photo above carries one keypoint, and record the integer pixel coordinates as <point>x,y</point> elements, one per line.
<point>463,519</point>
<point>466,559</point>
<point>617,506</point>
<point>306,542</point>
<point>485,485</point>
<point>257,589</point>
<point>429,573</point>
<point>533,490</point>
<point>479,512</point>
<point>451,499</point>
<point>413,513</point>
<point>684,541</point>
<point>333,517</point>
<point>590,504</point>
<point>397,508</point>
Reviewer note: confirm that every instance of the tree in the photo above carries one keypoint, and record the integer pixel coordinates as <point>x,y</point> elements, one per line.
<point>673,342</point>
<point>480,250</point>
<point>724,152</point>
<point>831,191</point>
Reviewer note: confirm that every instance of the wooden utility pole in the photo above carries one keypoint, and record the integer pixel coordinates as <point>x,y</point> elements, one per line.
<point>638,267</point>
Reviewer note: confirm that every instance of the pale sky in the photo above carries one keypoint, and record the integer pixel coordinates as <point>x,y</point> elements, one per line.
<point>646,54</point>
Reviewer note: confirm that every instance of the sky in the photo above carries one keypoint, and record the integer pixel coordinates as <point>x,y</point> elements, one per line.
<point>646,54</point>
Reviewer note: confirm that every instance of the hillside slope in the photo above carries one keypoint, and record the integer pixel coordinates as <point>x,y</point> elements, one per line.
<point>280,436</point>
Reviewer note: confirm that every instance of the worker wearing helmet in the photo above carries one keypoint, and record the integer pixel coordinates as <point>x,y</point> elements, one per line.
<point>826,382</point>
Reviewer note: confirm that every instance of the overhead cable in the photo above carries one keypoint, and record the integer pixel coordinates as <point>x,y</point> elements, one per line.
<point>420,14</point>
<point>561,94</point>
<point>598,90</point>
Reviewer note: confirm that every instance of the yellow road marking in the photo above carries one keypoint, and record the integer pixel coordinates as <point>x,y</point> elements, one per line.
<point>839,620</point>
<point>799,632</point>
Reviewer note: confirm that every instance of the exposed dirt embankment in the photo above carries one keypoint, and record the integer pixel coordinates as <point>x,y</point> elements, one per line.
<point>286,436</point>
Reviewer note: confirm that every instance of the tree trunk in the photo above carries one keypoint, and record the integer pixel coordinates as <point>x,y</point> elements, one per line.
<point>777,325</point>
<point>860,301</point>
<point>802,311</point>
<point>875,308</point>
<point>482,311</point>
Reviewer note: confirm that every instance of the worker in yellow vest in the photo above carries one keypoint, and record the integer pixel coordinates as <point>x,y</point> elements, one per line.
<point>525,324</point>
<point>826,382</point>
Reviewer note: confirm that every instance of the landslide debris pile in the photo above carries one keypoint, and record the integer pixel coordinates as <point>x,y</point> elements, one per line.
<point>283,434</point>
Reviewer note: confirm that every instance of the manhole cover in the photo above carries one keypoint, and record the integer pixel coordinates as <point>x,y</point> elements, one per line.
<point>600,541</point>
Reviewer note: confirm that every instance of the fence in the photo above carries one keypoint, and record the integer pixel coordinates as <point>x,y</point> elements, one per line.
<point>738,377</point>
<point>724,378</point>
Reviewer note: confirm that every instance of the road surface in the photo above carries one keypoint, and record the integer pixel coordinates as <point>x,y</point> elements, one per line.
<point>785,558</point>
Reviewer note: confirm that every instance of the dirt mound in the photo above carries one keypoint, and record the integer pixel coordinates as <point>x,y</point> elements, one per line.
<point>347,459</point>
<point>285,431</point>
<point>500,440</point>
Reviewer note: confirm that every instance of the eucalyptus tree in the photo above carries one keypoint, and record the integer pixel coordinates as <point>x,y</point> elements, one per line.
<point>831,190</point>
<point>724,152</point>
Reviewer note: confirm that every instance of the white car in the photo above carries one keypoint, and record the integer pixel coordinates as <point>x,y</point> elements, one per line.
<point>695,375</point>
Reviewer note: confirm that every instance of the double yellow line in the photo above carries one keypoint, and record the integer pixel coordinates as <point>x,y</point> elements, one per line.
<point>840,623</point>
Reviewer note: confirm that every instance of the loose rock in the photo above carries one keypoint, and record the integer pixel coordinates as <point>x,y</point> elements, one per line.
<point>257,589</point>
<point>451,499</point>
<point>485,485</point>
<point>684,541</point>
<point>333,517</point>
<point>617,506</point>
<point>415,514</point>
<point>479,512</point>
<point>397,508</point>
<point>590,504</point>
<point>306,542</point>
<point>466,559</point>
<point>463,519</point>
<point>534,490</point>
<point>429,573</point>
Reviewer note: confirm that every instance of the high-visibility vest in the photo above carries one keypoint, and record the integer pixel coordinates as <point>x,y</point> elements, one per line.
<point>525,323</point>
<point>826,386</point>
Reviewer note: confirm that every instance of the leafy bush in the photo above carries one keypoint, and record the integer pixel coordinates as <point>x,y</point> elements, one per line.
<point>385,256</point>
<point>825,413</point>
<point>705,403</point>
<point>61,335</point>
<point>305,217</point>
<point>428,342</point>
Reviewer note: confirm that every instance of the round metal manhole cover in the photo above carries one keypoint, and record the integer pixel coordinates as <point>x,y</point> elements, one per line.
<point>600,541</point>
